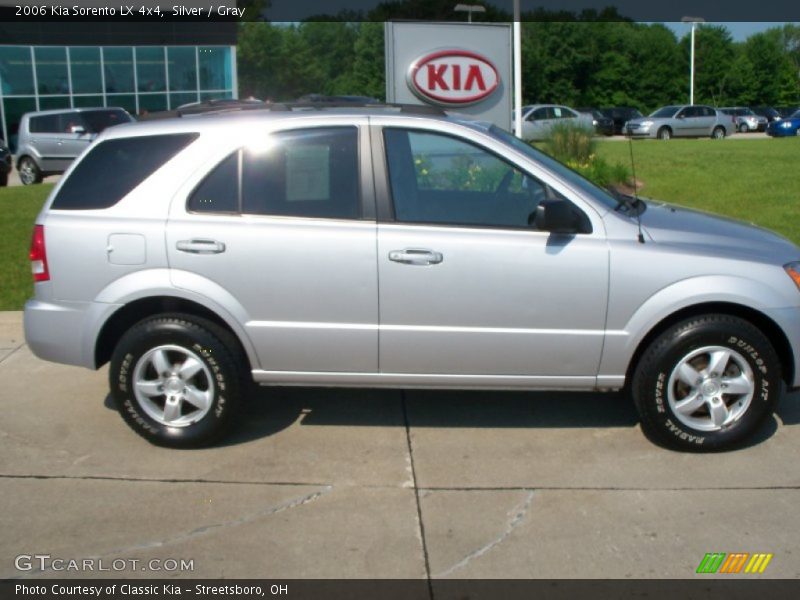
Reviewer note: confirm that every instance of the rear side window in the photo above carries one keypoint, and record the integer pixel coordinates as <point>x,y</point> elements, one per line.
<point>309,173</point>
<point>114,167</point>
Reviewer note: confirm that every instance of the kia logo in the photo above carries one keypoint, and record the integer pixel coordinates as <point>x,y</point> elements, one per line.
<point>455,77</point>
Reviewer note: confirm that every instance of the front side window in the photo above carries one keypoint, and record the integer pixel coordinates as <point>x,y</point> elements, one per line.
<point>303,173</point>
<point>437,178</point>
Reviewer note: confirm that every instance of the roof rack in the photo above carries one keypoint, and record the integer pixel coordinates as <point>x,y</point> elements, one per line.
<point>234,105</point>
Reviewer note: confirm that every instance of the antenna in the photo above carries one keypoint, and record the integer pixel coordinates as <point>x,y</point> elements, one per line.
<point>635,193</point>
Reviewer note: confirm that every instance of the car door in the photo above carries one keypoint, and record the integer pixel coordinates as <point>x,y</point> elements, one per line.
<point>73,139</point>
<point>685,122</point>
<point>43,139</point>
<point>537,123</point>
<point>705,120</point>
<point>467,287</point>
<point>282,233</point>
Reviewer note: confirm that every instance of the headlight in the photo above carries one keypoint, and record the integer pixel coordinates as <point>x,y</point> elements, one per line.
<point>647,124</point>
<point>786,124</point>
<point>793,270</point>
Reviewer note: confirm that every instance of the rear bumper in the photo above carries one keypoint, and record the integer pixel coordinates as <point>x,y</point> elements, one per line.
<point>65,332</point>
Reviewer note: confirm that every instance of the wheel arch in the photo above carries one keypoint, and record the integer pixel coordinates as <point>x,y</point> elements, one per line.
<point>131,313</point>
<point>763,322</point>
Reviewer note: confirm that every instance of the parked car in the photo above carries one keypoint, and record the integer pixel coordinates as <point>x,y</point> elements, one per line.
<point>5,163</point>
<point>745,119</point>
<point>50,140</point>
<point>768,112</point>
<point>785,127</point>
<point>538,120</point>
<point>621,115</point>
<point>682,121</point>
<point>603,125</point>
<point>387,247</point>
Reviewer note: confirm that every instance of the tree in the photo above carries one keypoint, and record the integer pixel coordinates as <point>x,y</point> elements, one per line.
<point>714,58</point>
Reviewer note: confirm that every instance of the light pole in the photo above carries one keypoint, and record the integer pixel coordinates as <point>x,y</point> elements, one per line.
<point>694,21</point>
<point>469,9</point>
<point>517,108</point>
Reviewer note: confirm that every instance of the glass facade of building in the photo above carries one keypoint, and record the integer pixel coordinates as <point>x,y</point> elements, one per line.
<point>137,78</point>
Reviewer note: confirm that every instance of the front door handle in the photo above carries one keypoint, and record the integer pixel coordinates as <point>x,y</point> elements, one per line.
<point>200,246</point>
<point>416,256</point>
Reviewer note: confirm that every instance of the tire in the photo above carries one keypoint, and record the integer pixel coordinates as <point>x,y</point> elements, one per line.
<point>664,133</point>
<point>743,128</point>
<point>718,133</point>
<point>711,419</point>
<point>29,172</point>
<point>3,179</point>
<point>182,410</point>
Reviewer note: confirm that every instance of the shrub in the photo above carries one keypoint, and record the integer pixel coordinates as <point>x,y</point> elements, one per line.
<point>574,145</point>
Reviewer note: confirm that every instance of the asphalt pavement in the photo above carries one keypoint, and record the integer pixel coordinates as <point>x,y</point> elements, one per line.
<point>341,483</point>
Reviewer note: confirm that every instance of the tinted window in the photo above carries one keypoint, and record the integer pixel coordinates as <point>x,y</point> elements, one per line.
<point>98,120</point>
<point>541,113</point>
<point>306,173</point>
<point>113,168</point>
<point>44,124</point>
<point>440,179</point>
<point>665,112</point>
<point>219,191</point>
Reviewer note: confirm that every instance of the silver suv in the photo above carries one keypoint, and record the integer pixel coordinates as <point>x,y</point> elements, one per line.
<point>392,247</point>
<point>50,140</point>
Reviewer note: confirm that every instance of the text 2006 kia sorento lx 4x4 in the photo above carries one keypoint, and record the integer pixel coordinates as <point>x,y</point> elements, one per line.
<point>392,247</point>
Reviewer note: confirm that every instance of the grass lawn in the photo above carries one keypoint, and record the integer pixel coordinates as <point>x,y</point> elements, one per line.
<point>18,209</point>
<point>755,180</point>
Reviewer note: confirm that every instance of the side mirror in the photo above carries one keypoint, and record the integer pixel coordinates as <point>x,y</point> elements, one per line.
<point>77,129</point>
<point>560,216</point>
<point>680,116</point>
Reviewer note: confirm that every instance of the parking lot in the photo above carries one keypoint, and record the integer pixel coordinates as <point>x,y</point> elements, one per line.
<point>341,483</point>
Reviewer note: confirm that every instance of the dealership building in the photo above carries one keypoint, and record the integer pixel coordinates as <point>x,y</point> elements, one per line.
<point>141,67</point>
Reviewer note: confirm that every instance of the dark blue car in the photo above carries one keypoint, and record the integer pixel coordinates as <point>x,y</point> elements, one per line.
<point>785,127</point>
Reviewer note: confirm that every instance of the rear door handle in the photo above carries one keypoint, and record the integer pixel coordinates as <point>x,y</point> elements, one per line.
<point>416,256</point>
<point>201,246</point>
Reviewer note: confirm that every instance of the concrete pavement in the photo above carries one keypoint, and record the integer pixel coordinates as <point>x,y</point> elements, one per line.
<point>324,483</point>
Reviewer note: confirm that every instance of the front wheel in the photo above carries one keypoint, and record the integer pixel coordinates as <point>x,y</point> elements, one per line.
<point>718,133</point>
<point>743,128</point>
<point>29,172</point>
<point>175,380</point>
<point>664,133</point>
<point>706,383</point>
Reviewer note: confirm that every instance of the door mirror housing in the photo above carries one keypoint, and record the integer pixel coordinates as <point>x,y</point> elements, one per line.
<point>560,216</point>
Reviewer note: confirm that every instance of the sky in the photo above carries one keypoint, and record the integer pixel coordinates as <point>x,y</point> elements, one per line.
<point>739,31</point>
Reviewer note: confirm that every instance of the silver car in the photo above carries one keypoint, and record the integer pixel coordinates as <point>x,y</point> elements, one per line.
<point>745,119</point>
<point>538,120</point>
<point>388,247</point>
<point>682,121</point>
<point>49,140</point>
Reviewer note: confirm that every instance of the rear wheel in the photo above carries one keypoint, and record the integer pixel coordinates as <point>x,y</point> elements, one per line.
<point>718,133</point>
<point>664,133</point>
<point>176,380</point>
<point>706,383</point>
<point>29,172</point>
<point>743,128</point>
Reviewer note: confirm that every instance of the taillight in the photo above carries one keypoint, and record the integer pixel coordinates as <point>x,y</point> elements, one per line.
<point>38,255</point>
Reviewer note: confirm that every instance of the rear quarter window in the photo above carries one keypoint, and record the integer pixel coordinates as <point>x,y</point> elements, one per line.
<point>114,167</point>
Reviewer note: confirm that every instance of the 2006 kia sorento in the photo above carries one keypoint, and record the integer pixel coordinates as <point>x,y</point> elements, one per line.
<point>390,247</point>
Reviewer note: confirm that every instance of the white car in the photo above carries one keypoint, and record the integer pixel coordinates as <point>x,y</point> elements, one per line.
<point>539,119</point>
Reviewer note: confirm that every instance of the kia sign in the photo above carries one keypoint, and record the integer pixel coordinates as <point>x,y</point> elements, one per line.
<point>459,66</point>
<point>452,77</point>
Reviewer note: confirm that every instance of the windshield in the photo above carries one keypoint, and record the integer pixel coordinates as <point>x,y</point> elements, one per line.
<point>97,120</point>
<point>560,169</point>
<point>796,115</point>
<point>665,112</point>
